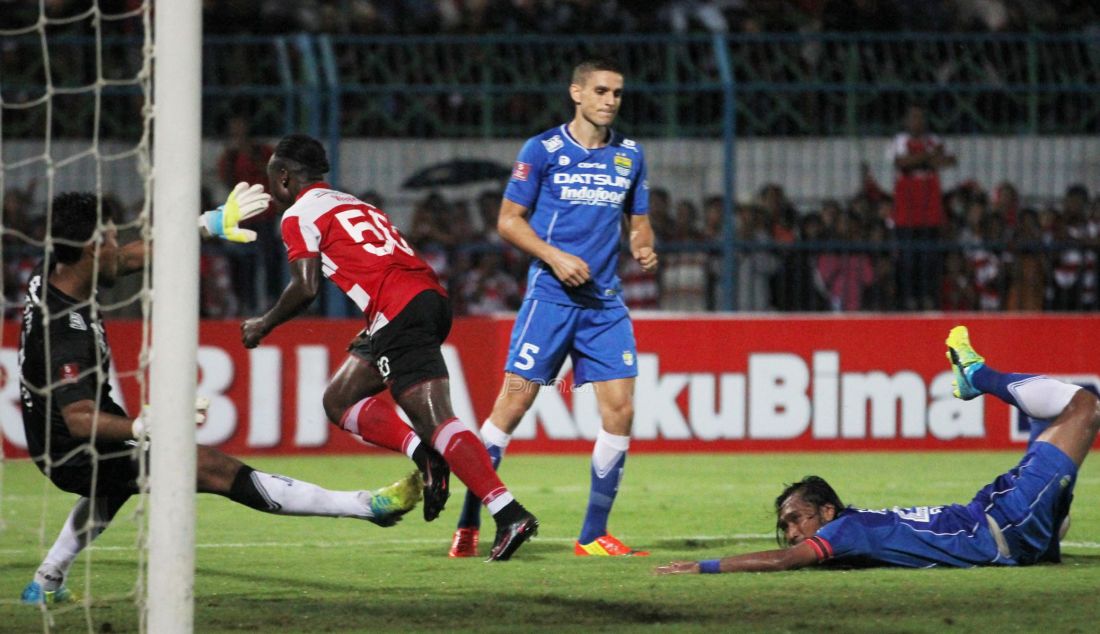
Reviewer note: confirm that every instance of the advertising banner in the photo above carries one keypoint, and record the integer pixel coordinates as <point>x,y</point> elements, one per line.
<point>705,383</point>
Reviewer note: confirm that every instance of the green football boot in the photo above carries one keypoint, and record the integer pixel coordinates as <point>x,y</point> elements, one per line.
<point>389,503</point>
<point>965,361</point>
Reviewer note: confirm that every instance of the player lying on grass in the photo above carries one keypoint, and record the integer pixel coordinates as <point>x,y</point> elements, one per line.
<point>85,443</point>
<point>1016,520</point>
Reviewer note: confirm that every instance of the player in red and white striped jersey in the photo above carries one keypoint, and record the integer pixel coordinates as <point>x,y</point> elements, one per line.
<point>407,316</point>
<point>360,251</point>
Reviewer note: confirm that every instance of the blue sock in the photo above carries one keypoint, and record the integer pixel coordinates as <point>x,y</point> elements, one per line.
<point>600,499</point>
<point>993,382</point>
<point>471,507</point>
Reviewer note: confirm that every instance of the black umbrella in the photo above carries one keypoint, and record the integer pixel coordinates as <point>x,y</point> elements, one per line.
<point>457,172</point>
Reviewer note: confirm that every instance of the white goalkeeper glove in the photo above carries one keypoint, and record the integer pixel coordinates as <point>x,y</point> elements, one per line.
<point>137,428</point>
<point>243,203</point>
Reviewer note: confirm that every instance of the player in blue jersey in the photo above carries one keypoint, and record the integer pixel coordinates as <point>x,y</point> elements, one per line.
<point>1016,520</point>
<point>570,190</point>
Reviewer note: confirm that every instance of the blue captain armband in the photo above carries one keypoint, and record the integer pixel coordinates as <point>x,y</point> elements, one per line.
<point>710,566</point>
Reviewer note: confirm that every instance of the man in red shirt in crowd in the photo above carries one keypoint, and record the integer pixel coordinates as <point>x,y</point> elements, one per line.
<point>918,156</point>
<point>244,160</point>
<point>407,316</point>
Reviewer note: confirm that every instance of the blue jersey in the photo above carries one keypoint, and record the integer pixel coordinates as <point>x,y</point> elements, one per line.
<point>576,199</point>
<point>916,537</point>
<point>1026,505</point>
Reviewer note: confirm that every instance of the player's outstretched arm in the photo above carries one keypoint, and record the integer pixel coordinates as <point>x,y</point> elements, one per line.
<point>81,417</point>
<point>243,202</point>
<point>641,242</point>
<point>305,284</point>
<point>513,226</point>
<point>791,558</point>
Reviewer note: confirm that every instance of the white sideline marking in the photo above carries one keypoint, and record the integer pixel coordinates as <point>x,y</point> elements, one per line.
<point>411,541</point>
<point>444,541</point>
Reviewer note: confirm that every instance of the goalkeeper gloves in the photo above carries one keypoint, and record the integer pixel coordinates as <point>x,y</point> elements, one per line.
<point>243,203</point>
<point>137,428</point>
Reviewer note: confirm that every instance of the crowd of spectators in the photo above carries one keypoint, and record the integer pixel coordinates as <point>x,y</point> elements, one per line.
<point>599,16</point>
<point>994,253</point>
<point>645,16</point>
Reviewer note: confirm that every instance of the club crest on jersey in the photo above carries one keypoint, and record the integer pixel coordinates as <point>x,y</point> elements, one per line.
<point>628,358</point>
<point>69,372</point>
<point>623,165</point>
<point>76,322</point>
<point>521,170</point>
<point>563,160</point>
<point>553,144</point>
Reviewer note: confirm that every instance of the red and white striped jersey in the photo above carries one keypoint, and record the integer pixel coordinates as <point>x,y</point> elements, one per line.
<point>360,251</point>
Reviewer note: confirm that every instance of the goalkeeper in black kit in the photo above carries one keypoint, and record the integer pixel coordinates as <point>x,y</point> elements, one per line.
<point>84,442</point>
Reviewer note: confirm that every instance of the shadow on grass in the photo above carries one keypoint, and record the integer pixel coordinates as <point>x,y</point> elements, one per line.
<point>1085,560</point>
<point>696,544</point>
<point>413,609</point>
<point>533,549</point>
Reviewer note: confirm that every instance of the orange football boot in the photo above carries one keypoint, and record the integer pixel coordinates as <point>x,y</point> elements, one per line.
<point>606,546</point>
<point>464,543</point>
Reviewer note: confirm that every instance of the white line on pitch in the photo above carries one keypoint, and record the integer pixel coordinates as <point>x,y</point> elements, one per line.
<point>392,542</point>
<point>398,542</point>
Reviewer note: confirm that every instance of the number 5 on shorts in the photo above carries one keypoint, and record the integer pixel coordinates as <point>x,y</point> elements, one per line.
<point>526,360</point>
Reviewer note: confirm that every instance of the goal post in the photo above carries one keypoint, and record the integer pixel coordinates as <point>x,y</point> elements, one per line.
<point>177,137</point>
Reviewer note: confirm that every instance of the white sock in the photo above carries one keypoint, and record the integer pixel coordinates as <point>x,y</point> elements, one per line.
<point>499,502</point>
<point>493,435</point>
<point>287,496</point>
<point>75,534</point>
<point>607,450</point>
<point>412,445</point>
<point>1041,396</point>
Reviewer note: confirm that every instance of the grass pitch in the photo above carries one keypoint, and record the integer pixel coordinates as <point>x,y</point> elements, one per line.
<point>258,572</point>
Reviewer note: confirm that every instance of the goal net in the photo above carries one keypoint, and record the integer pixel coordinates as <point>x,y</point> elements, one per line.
<point>76,115</point>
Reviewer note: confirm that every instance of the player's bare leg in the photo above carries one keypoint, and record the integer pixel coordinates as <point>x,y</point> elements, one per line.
<point>616,402</point>
<point>615,399</point>
<point>1074,430</point>
<point>516,396</point>
<point>224,475</point>
<point>350,404</point>
<point>356,380</point>
<point>428,404</point>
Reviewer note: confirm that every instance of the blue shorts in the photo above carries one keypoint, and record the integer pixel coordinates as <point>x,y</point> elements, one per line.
<point>599,340</point>
<point>1030,501</point>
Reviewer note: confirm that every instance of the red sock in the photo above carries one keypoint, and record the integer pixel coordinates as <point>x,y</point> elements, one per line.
<point>378,423</point>
<point>469,460</point>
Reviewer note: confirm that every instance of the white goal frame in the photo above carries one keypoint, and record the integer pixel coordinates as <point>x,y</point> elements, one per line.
<point>177,138</point>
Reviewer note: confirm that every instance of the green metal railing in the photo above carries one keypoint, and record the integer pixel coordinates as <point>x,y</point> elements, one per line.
<point>729,88</point>
<point>505,86</point>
